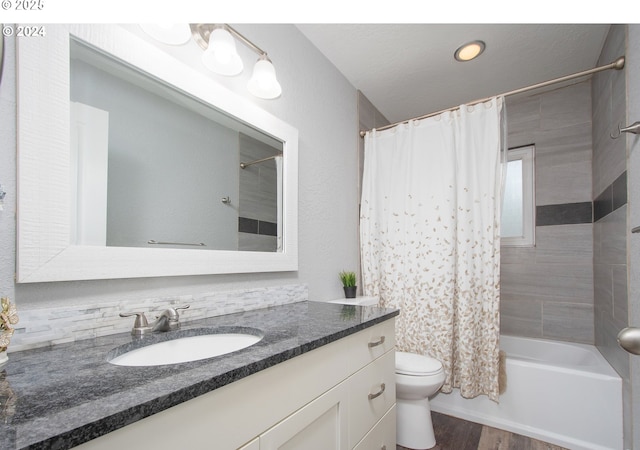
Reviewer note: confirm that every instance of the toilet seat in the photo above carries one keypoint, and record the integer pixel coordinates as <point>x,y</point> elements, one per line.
<point>417,365</point>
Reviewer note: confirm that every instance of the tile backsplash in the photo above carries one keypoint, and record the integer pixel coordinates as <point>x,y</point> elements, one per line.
<point>51,326</point>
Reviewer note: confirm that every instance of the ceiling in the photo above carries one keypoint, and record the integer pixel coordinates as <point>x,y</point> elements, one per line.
<point>408,70</point>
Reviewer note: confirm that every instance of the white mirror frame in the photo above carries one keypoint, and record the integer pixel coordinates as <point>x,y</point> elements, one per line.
<point>44,251</point>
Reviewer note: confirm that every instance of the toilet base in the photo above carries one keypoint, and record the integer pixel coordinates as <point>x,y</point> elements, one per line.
<point>414,428</point>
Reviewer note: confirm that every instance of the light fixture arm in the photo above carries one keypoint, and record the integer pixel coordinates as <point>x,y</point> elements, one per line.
<point>202,31</point>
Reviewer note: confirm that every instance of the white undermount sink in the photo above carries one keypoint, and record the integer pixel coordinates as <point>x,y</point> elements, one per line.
<point>185,349</point>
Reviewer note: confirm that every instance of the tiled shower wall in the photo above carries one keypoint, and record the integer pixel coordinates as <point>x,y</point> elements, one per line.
<point>610,213</point>
<point>547,290</point>
<point>258,198</point>
<point>610,196</point>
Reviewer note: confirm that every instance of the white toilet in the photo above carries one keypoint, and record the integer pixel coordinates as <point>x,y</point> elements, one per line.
<point>418,377</point>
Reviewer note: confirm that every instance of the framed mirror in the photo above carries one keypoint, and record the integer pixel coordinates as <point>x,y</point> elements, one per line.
<point>133,164</point>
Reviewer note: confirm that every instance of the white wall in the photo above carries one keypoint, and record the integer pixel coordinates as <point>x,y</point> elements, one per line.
<point>165,161</point>
<point>316,99</point>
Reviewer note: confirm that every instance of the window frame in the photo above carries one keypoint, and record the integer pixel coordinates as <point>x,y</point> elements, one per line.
<point>527,155</point>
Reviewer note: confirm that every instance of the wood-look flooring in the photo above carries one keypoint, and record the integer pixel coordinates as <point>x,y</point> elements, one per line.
<point>457,434</point>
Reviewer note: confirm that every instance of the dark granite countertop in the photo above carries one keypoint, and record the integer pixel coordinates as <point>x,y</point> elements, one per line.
<point>61,396</point>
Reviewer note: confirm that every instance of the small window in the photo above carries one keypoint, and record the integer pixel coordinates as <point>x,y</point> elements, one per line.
<point>518,204</point>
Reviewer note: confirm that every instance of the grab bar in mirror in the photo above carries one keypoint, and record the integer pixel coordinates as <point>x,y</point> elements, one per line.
<point>151,241</point>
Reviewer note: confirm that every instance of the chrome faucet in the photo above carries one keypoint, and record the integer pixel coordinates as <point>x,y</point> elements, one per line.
<point>168,320</point>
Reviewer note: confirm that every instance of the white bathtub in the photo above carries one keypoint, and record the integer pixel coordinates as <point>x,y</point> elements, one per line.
<point>562,393</point>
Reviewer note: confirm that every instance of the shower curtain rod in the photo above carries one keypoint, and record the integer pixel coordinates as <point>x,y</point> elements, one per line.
<point>245,165</point>
<point>618,64</point>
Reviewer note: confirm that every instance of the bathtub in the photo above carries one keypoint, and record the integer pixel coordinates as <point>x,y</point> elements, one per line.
<point>561,393</point>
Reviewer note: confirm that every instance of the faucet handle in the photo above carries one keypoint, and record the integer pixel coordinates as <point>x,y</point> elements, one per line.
<point>172,312</point>
<point>141,325</point>
<point>176,317</point>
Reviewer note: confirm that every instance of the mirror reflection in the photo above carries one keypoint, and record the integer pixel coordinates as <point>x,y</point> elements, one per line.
<point>155,167</point>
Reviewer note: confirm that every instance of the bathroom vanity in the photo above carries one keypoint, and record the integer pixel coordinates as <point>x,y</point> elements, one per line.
<point>322,376</point>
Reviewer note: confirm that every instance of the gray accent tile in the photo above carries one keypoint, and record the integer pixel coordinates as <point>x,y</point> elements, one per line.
<point>267,228</point>
<point>246,225</point>
<point>603,204</point>
<point>613,197</point>
<point>619,191</point>
<point>568,213</point>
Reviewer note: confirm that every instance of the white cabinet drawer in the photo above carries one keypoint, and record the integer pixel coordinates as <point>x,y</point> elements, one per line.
<point>372,391</point>
<point>383,435</point>
<point>371,343</point>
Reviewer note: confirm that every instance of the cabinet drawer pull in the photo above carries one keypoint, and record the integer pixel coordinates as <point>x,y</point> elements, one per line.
<point>379,393</point>
<point>384,447</point>
<point>379,342</point>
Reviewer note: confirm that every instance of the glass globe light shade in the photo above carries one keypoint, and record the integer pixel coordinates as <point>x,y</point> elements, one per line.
<point>263,83</point>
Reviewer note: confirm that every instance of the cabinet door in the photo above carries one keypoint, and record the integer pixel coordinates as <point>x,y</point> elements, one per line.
<point>320,425</point>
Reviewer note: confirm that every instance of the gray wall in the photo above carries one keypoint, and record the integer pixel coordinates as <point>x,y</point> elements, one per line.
<point>610,213</point>
<point>316,99</point>
<point>633,113</point>
<point>547,290</point>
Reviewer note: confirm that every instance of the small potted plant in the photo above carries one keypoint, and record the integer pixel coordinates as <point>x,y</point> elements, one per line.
<point>349,283</point>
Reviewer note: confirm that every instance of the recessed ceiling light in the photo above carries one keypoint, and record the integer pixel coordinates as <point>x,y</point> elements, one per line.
<point>469,51</point>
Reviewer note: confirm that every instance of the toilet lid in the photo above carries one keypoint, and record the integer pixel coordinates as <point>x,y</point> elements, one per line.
<point>414,364</point>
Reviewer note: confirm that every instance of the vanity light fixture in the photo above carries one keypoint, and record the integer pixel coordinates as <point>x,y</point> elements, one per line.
<point>469,51</point>
<point>220,55</point>
<point>263,83</point>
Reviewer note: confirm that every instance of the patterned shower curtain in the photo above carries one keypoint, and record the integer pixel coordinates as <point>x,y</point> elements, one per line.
<point>430,238</point>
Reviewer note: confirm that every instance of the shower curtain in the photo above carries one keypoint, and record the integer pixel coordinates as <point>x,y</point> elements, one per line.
<point>430,238</point>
